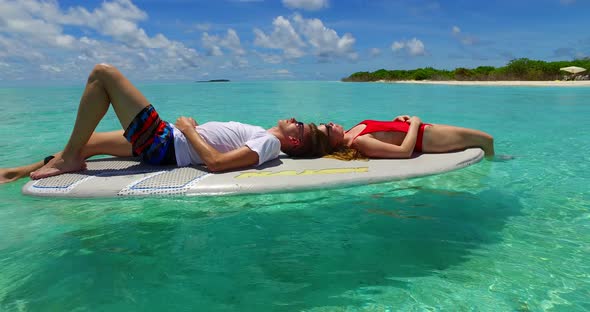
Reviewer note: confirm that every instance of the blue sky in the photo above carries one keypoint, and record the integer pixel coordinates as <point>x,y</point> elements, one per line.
<point>282,39</point>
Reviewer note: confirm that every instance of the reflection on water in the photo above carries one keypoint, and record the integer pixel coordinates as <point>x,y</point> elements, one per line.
<point>252,258</point>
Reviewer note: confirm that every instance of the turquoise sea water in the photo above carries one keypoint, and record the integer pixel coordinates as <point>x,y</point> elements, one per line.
<point>497,236</point>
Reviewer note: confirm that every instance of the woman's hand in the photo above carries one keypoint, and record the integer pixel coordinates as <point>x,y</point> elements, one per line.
<point>185,123</point>
<point>404,118</point>
<point>415,119</point>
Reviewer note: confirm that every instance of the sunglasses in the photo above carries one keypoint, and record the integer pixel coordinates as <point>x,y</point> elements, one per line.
<point>301,127</point>
<point>328,128</point>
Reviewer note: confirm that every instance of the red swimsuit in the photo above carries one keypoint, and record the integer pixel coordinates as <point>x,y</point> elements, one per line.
<point>373,126</point>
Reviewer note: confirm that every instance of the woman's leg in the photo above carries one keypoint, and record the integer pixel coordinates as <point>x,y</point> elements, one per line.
<point>101,143</point>
<point>444,138</point>
<point>106,85</point>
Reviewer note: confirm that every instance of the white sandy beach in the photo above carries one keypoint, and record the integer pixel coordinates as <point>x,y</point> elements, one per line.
<point>557,83</point>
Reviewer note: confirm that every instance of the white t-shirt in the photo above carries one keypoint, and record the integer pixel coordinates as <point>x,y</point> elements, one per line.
<point>225,137</point>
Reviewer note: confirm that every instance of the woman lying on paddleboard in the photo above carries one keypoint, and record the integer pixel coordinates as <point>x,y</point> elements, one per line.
<point>400,138</point>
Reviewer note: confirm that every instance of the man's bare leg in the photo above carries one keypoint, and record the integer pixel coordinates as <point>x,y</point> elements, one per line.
<point>106,85</point>
<point>100,143</point>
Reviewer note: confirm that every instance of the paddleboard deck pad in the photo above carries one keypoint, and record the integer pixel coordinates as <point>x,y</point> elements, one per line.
<point>113,177</point>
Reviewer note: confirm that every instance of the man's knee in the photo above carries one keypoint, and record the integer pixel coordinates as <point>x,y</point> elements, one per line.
<point>489,139</point>
<point>102,71</point>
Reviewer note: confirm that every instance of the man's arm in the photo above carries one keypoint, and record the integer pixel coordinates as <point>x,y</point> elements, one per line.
<point>215,160</point>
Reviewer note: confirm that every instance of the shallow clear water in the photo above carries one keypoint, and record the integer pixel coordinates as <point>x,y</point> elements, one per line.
<point>497,236</point>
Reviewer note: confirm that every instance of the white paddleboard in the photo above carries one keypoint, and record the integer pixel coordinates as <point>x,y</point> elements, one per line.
<point>112,177</point>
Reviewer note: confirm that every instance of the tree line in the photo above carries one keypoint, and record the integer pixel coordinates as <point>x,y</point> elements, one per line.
<point>519,69</point>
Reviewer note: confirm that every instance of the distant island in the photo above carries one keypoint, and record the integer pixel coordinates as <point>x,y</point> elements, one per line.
<point>214,80</point>
<point>522,69</point>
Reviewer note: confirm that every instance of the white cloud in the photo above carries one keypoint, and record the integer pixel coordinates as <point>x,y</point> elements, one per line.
<point>310,5</point>
<point>397,45</point>
<point>142,56</point>
<point>269,58</point>
<point>50,68</point>
<point>232,42</point>
<point>413,47</point>
<point>10,47</point>
<point>213,44</point>
<point>283,72</point>
<point>18,19</point>
<point>39,39</point>
<point>33,30</point>
<point>456,30</point>
<point>287,36</point>
<point>240,62</point>
<point>210,43</point>
<point>235,63</point>
<point>374,52</point>
<point>325,40</point>
<point>283,37</point>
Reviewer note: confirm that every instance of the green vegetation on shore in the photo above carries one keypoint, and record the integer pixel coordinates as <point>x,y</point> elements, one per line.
<point>518,69</point>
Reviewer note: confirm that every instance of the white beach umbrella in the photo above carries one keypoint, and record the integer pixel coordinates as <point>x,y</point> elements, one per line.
<point>573,69</point>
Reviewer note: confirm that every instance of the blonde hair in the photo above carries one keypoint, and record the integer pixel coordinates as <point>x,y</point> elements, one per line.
<point>346,153</point>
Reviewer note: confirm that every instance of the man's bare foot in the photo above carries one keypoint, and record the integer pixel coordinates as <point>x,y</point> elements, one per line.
<point>58,166</point>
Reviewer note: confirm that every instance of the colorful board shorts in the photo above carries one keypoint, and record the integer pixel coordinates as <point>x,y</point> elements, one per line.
<point>151,137</point>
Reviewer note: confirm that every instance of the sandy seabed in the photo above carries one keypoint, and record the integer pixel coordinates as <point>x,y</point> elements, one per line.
<point>556,83</point>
